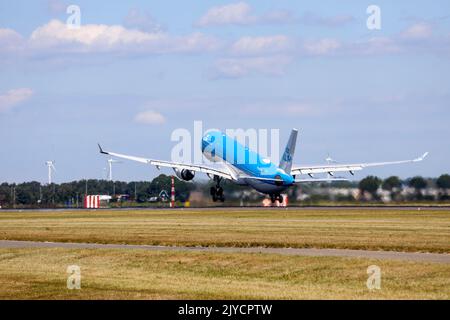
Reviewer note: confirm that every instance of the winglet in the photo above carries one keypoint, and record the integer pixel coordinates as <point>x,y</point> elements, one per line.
<point>422,157</point>
<point>101,150</point>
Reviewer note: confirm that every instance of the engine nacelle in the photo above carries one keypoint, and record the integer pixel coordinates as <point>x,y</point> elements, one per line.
<point>184,174</point>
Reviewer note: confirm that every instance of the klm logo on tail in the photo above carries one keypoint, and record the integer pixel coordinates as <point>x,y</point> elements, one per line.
<point>286,159</point>
<point>287,155</point>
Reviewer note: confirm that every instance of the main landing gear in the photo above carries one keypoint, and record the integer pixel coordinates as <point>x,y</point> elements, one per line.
<point>276,197</point>
<point>217,191</point>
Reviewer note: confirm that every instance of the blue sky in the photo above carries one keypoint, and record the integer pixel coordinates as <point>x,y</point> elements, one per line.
<point>137,70</point>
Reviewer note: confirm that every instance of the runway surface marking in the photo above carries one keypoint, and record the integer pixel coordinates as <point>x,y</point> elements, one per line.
<point>313,252</point>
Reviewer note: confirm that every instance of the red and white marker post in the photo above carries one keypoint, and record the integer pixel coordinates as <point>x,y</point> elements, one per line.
<point>172,193</point>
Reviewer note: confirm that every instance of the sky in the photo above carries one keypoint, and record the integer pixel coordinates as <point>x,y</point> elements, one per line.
<point>135,71</point>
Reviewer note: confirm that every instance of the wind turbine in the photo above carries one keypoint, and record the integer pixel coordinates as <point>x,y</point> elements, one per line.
<point>110,162</point>
<point>51,167</point>
<point>329,161</point>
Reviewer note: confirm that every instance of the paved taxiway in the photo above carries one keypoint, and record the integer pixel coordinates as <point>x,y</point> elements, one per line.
<point>393,255</point>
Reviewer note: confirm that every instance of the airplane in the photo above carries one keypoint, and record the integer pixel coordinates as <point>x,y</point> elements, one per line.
<point>260,173</point>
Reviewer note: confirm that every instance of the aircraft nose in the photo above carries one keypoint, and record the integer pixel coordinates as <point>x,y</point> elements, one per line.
<point>204,144</point>
<point>207,140</point>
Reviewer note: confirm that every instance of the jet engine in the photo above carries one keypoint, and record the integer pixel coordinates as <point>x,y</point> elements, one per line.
<point>184,174</point>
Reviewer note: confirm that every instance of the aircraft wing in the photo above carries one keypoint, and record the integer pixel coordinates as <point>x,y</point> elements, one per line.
<point>320,180</point>
<point>175,165</point>
<point>330,169</point>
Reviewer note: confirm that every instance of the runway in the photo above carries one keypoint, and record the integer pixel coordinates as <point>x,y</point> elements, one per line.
<point>233,208</point>
<point>312,252</point>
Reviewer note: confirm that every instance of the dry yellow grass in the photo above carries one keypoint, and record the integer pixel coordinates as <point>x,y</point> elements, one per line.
<point>142,274</point>
<point>400,230</point>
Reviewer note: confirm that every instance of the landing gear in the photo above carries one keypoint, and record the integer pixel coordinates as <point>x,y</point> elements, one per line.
<point>217,194</point>
<point>276,197</point>
<point>217,191</point>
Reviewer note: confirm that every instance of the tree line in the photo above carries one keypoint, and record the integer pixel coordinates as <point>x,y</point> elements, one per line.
<point>35,194</point>
<point>394,186</point>
<point>72,193</point>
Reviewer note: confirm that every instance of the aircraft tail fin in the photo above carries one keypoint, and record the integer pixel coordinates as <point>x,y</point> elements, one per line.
<point>286,159</point>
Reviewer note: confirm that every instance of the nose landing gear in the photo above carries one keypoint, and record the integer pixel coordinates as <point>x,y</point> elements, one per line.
<point>217,191</point>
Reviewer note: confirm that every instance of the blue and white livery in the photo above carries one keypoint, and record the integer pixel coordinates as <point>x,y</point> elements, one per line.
<point>244,166</point>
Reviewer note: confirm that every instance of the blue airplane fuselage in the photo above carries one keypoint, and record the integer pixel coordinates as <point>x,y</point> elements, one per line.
<point>246,163</point>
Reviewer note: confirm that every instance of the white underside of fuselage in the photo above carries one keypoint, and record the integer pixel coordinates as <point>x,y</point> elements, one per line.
<point>265,187</point>
<point>258,185</point>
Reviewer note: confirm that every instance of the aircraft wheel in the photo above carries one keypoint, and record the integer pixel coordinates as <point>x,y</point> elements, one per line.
<point>280,198</point>
<point>272,198</point>
<point>213,194</point>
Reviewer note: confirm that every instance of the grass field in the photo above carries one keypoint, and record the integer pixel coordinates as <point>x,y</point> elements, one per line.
<point>141,274</point>
<point>409,230</point>
<point>40,273</point>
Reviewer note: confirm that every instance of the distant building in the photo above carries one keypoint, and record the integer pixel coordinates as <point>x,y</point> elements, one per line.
<point>122,197</point>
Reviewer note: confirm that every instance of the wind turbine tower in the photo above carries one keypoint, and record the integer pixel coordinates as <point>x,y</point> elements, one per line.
<point>51,167</point>
<point>330,161</point>
<point>110,162</point>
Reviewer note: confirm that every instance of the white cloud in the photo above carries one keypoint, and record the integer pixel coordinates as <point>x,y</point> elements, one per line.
<point>142,21</point>
<point>241,14</point>
<point>321,47</point>
<point>270,55</point>
<point>375,45</point>
<point>236,68</point>
<point>150,117</point>
<point>261,45</point>
<point>267,54</point>
<point>277,17</point>
<point>419,30</point>
<point>235,13</point>
<point>56,38</point>
<point>10,41</point>
<point>96,37</point>
<point>13,98</point>
<point>331,22</point>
